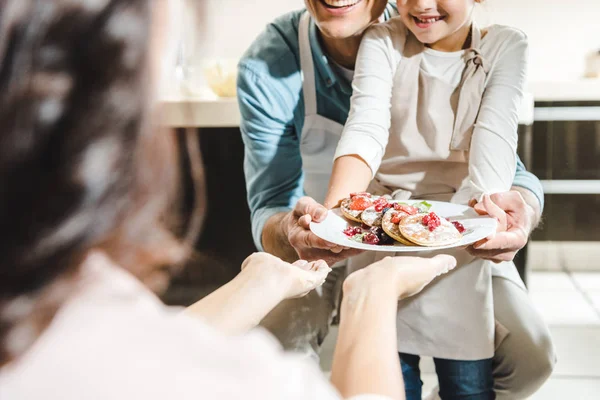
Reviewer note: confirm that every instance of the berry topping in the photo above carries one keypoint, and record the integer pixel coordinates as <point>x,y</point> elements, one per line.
<point>410,210</point>
<point>353,230</point>
<point>370,238</point>
<point>396,217</point>
<point>458,226</point>
<point>360,203</point>
<point>380,204</point>
<point>385,239</point>
<point>431,221</point>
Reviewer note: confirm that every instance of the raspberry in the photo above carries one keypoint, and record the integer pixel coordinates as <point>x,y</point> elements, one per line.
<point>349,231</point>
<point>370,238</point>
<point>431,221</point>
<point>460,227</point>
<point>360,204</point>
<point>380,207</point>
<point>352,230</point>
<point>397,217</point>
<point>380,204</point>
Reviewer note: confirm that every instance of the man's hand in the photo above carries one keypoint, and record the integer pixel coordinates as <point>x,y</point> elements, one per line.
<point>295,227</point>
<point>516,219</point>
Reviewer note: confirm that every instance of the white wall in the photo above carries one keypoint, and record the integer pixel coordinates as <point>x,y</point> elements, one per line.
<point>561,32</point>
<point>230,26</point>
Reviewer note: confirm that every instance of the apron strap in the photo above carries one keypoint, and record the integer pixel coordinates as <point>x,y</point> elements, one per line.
<point>471,90</point>
<point>307,66</point>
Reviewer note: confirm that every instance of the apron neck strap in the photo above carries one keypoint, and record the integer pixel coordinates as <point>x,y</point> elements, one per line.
<point>307,67</point>
<point>475,36</point>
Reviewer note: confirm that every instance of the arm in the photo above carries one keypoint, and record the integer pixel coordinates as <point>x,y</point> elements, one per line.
<point>492,156</point>
<point>272,161</point>
<point>350,174</point>
<point>264,282</point>
<point>274,179</point>
<point>366,132</point>
<point>530,187</point>
<point>366,354</point>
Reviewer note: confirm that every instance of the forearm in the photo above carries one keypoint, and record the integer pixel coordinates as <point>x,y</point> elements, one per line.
<point>239,305</point>
<point>534,209</point>
<point>275,240</point>
<point>366,355</point>
<point>350,174</point>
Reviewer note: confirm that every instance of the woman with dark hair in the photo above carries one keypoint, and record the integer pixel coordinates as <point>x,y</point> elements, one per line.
<point>86,185</point>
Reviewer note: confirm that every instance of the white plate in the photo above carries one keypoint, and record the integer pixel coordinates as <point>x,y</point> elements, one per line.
<point>477,227</point>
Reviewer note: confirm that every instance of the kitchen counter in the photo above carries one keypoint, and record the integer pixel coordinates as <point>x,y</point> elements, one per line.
<point>200,111</point>
<point>205,110</point>
<point>566,90</point>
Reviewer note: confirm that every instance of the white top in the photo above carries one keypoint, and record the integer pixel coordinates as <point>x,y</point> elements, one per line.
<point>370,132</point>
<point>115,340</point>
<point>447,66</point>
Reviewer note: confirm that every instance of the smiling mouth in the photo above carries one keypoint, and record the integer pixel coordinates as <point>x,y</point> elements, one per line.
<point>427,21</point>
<point>340,3</point>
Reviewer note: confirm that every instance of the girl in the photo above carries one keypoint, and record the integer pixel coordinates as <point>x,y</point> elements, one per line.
<point>434,115</point>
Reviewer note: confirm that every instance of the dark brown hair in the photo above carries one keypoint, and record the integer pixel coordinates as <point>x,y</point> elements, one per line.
<point>80,165</point>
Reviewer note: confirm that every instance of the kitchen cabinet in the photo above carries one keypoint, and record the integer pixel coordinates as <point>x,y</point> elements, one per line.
<point>565,155</point>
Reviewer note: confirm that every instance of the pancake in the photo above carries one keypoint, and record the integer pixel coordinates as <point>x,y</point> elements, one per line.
<point>392,229</point>
<point>371,217</point>
<point>412,228</point>
<point>353,215</point>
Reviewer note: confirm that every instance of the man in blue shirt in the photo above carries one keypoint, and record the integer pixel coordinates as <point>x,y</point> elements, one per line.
<point>281,164</point>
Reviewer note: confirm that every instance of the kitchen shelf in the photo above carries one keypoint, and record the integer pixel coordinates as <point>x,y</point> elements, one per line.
<point>571,186</point>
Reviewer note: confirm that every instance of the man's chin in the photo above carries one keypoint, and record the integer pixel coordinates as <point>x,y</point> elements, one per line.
<point>338,31</point>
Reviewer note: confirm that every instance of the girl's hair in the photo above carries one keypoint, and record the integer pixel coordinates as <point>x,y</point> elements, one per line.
<point>80,165</point>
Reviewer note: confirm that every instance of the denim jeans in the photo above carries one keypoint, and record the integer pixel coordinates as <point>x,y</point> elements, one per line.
<point>458,380</point>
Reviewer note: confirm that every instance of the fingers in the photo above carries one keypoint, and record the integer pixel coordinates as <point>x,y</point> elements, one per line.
<point>303,264</point>
<point>494,211</point>
<point>308,240</point>
<point>313,266</point>
<point>496,256</point>
<point>442,263</point>
<point>314,275</point>
<point>509,201</point>
<point>510,240</point>
<point>320,266</point>
<point>304,221</point>
<point>308,206</point>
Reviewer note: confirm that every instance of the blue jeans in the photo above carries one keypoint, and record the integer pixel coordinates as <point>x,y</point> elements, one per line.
<point>458,380</point>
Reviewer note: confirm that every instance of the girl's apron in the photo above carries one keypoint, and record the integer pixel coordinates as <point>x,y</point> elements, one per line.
<point>452,318</point>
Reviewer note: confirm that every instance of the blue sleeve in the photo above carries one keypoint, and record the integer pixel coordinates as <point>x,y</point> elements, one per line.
<point>272,161</point>
<point>529,181</point>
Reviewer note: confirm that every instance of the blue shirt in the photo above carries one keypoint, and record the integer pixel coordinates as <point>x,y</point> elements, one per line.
<point>272,110</point>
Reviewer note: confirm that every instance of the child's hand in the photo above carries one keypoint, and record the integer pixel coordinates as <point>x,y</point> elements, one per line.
<point>308,245</point>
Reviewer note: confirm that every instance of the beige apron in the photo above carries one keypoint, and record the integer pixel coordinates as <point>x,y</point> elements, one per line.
<point>320,135</point>
<point>427,157</point>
